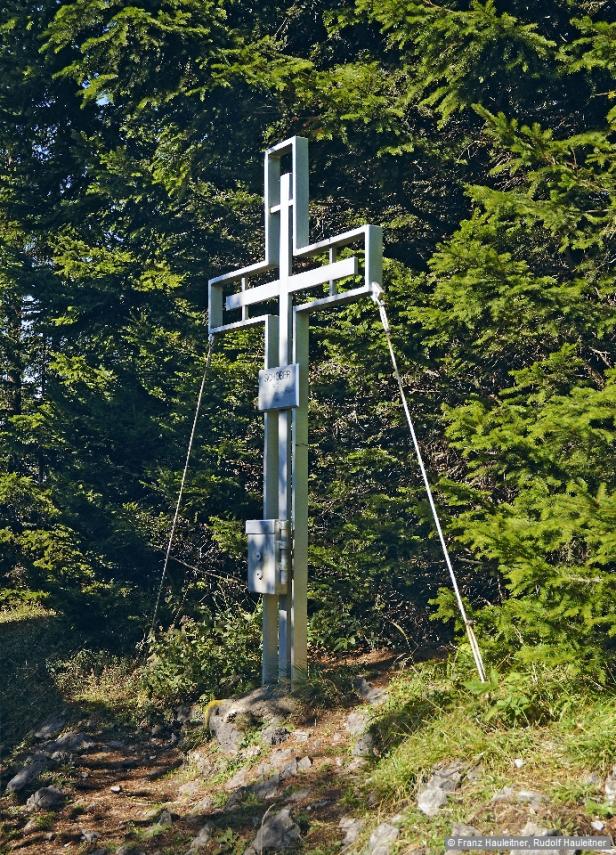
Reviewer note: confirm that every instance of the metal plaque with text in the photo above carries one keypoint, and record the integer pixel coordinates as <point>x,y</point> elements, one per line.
<point>279,387</point>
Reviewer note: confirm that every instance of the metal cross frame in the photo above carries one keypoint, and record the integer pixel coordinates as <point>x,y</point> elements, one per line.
<point>285,465</point>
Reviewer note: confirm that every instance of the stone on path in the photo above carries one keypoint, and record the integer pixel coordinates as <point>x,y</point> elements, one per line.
<point>382,839</point>
<point>278,831</point>
<point>369,693</point>
<point>240,779</point>
<point>51,727</point>
<point>28,773</point>
<point>352,828</point>
<point>72,741</point>
<point>357,722</point>
<point>202,839</point>
<point>230,718</point>
<point>224,729</point>
<point>267,789</point>
<point>47,798</point>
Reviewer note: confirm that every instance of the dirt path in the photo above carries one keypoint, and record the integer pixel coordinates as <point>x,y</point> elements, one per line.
<point>131,792</point>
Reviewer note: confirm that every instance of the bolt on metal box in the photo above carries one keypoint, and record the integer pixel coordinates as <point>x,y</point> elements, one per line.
<point>268,555</point>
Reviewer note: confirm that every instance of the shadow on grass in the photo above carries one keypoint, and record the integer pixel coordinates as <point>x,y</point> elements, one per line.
<point>28,646</point>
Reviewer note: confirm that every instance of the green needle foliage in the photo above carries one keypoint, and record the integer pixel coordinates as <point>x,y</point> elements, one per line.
<point>482,136</point>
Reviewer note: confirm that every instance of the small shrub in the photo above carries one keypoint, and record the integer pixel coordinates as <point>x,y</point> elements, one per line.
<point>328,687</point>
<point>217,655</point>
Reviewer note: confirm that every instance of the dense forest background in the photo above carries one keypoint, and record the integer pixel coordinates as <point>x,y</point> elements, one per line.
<point>481,136</point>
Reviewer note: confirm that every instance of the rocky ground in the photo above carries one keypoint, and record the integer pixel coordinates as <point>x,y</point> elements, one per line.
<point>256,775</point>
<point>259,773</point>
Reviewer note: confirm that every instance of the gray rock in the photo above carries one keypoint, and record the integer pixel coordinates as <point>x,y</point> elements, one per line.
<point>460,829</point>
<point>129,849</point>
<point>28,774</point>
<point>90,836</point>
<point>224,728</point>
<point>443,781</point>
<point>182,714</point>
<point>278,831</point>
<point>304,764</point>
<point>430,800</point>
<point>72,741</point>
<point>369,693</point>
<point>301,735</point>
<point>528,797</point>
<point>229,718</point>
<point>62,758</point>
<point>609,787</point>
<point>279,757</point>
<point>47,798</point>
<point>597,825</point>
<point>357,722</point>
<point>289,769</point>
<point>201,807</point>
<point>200,759</point>
<point>364,746</point>
<point>202,839</point>
<point>51,727</point>
<point>267,704</point>
<point>250,752</point>
<point>238,780</point>
<point>267,789</point>
<point>274,734</point>
<point>382,839</point>
<point>165,817</point>
<point>448,777</point>
<point>352,828</point>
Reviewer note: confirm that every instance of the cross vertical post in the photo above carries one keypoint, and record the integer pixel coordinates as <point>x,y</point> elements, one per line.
<point>285,353</point>
<point>278,544</point>
<point>269,661</point>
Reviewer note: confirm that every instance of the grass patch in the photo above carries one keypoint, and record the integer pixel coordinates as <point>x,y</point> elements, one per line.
<point>30,636</point>
<point>435,714</point>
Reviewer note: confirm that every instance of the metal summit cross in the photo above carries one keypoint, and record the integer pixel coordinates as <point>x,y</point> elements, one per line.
<point>278,544</point>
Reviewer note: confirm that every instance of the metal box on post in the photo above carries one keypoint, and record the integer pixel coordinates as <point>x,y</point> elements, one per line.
<point>268,555</point>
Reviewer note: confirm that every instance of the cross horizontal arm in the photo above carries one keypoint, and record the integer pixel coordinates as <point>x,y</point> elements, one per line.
<point>258,267</point>
<point>308,279</point>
